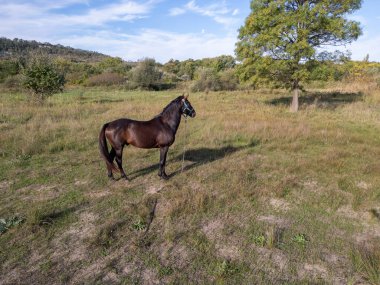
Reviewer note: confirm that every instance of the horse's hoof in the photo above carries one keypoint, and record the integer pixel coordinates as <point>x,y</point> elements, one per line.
<point>111,178</point>
<point>164,176</point>
<point>125,178</point>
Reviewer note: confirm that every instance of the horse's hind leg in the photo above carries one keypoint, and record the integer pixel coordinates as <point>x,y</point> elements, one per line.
<point>119,161</point>
<point>112,156</point>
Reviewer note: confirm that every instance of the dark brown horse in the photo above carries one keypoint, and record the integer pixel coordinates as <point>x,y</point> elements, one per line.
<point>158,132</point>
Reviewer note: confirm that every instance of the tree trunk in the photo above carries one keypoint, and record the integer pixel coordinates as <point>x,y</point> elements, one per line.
<point>294,105</point>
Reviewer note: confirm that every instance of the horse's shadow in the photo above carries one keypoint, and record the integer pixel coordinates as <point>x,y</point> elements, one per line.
<point>196,157</point>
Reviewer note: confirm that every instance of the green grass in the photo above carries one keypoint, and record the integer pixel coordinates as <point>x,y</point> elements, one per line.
<point>267,196</point>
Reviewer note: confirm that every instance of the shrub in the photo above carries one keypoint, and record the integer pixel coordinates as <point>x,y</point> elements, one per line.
<point>42,77</point>
<point>146,75</point>
<point>105,79</point>
<point>207,80</point>
<point>228,80</point>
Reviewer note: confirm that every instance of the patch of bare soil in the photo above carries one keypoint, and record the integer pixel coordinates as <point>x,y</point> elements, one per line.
<point>339,267</point>
<point>77,236</point>
<point>149,277</point>
<point>98,194</point>
<point>276,221</point>
<point>347,212</point>
<point>226,245</point>
<point>37,192</point>
<point>279,204</point>
<point>313,271</point>
<point>155,188</point>
<point>72,246</point>
<point>311,185</point>
<point>78,182</point>
<point>363,185</point>
<point>63,252</point>
<point>276,256</point>
<point>371,226</point>
<point>5,184</point>
<point>176,254</point>
<point>15,276</point>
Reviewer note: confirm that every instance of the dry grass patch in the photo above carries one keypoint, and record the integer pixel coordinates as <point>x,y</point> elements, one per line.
<point>266,196</point>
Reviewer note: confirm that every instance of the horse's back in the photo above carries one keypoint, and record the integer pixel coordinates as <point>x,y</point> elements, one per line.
<point>141,134</point>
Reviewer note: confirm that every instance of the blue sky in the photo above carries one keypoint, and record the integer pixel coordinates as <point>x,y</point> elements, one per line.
<point>161,29</point>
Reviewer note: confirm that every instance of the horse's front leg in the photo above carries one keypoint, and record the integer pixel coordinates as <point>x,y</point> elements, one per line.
<point>163,153</point>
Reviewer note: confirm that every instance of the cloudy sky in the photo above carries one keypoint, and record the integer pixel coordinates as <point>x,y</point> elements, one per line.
<point>161,29</point>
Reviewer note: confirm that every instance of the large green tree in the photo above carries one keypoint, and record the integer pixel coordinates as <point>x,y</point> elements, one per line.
<point>281,38</point>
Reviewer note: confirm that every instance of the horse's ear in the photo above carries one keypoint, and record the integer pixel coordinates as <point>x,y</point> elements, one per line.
<point>186,96</point>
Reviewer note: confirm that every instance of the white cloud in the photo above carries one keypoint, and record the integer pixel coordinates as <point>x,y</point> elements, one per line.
<point>19,16</point>
<point>177,11</point>
<point>362,47</point>
<point>211,10</point>
<point>219,12</point>
<point>91,30</point>
<point>157,44</point>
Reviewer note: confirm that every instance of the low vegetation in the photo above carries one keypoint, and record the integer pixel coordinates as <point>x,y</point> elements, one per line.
<point>266,196</point>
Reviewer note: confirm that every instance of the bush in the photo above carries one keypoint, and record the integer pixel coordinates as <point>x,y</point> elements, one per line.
<point>105,79</point>
<point>42,77</point>
<point>228,80</point>
<point>146,75</point>
<point>207,80</point>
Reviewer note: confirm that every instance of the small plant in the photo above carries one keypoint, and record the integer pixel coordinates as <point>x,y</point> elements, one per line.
<point>165,271</point>
<point>6,224</point>
<point>259,240</point>
<point>139,225</point>
<point>300,239</point>
<point>226,268</point>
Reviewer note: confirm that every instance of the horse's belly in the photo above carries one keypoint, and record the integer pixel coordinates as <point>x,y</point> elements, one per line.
<point>142,142</point>
<point>145,135</point>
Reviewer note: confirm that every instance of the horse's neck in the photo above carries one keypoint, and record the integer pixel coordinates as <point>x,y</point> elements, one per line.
<point>172,119</point>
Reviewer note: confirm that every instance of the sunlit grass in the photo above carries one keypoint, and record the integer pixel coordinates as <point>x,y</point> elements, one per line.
<point>267,196</point>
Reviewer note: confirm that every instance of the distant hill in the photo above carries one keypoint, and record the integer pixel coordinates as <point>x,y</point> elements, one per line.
<point>18,47</point>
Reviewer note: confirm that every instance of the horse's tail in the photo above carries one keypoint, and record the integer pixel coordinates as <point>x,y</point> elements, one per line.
<point>104,149</point>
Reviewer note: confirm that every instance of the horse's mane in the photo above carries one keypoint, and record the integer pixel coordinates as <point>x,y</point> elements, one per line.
<point>170,107</point>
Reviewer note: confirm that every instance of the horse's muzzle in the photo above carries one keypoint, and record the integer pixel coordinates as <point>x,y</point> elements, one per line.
<point>193,114</point>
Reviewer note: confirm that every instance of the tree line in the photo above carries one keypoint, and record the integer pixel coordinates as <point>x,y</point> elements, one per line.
<point>280,45</point>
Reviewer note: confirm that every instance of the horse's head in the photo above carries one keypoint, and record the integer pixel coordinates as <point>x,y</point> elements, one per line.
<point>186,108</point>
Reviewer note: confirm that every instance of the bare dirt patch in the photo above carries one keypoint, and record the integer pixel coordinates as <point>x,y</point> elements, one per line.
<point>76,237</point>
<point>276,221</point>
<point>279,204</point>
<point>37,192</point>
<point>276,256</point>
<point>177,254</point>
<point>78,182</point>
<point>313,271</point>
<point>5,185</point>
<point>226,246</point>
<point>154,189</point>
<point>150,277</point>
<point>363,185</point>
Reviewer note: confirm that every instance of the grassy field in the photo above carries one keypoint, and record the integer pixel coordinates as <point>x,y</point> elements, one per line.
<point>266,196</point>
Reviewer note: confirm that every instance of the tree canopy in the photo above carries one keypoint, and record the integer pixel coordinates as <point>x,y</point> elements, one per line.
<point>281,39</point>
